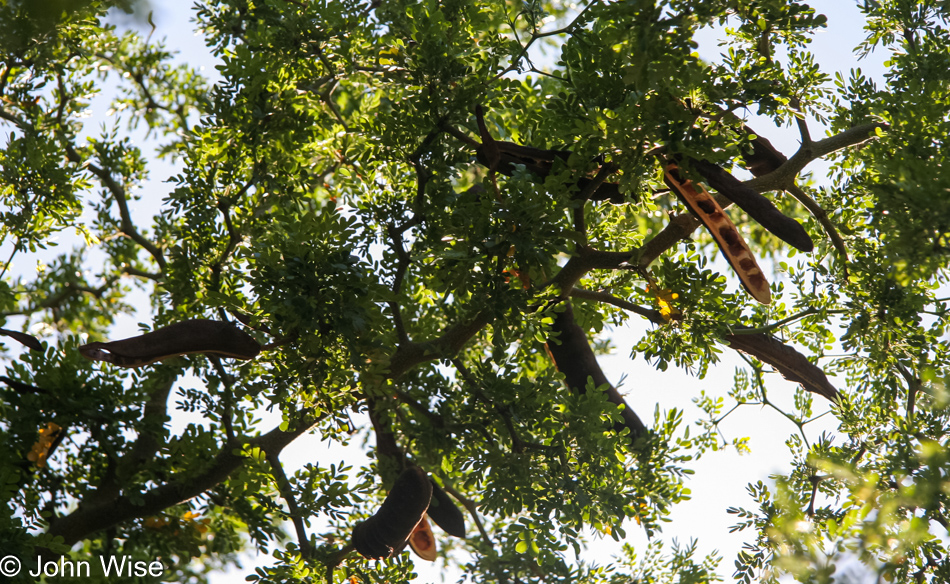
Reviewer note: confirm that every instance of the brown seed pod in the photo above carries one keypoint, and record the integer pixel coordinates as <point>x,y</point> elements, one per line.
<point>790,363</point>
<point>422,541</point>
<point>389,528</point>
<point>181,338</point>
<point>724,232</point>
<point>758,207</point>
<point>24,339</point>
<point>445,514</point>
<point>764,157</point>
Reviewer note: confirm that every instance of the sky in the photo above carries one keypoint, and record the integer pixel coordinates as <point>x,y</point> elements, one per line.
<point>720,478</point>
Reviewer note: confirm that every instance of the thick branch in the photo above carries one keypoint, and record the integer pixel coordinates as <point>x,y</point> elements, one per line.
<point>782,178</point>
<point>154,416</point>
<point>786,174</point>
<point>408,355</point>
<point>758,207</point>
<point>90,519</point>
<point>680,227</point>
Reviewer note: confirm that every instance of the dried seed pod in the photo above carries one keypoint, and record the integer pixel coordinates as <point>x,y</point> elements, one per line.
<point>506,157</point>
<point>790,363</point>
<point>422,541</point>
<point>29,341</point>
<point>446,515</point>
<point>389,528</point>
<point>764,157</point>
<point>181,338</point>
<point>724,232</point>
<point>758,207</point>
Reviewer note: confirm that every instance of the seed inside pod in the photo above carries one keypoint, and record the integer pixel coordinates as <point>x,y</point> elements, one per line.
<point>733,247</point>
<point>392,524</point>
<point>422,541</point>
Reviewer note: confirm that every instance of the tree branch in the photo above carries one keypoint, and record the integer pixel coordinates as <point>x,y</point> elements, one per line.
<point>453,338</point>
<point>287,492</point>
<point>648,313</point>
<point>89,519</point>
<point>784,175</point>
<point>822,216</point>
<point>109,183</point>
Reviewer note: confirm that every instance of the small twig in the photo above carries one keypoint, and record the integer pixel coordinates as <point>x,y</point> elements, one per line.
<point>109,182</point>
<point>69,289</point>
<point>822,216</point>
<point>435,419</point>
<point>536,36</point>
<point>648,313</point>
<point>234,238</point>
<point>228,396</point>
<point>783,322</point>
<point>460,136</point>
<point>800,121</point>
<point>517,444</point>
<point>337,558</point>
<point>327,98</point>
<point>815,480</point>
<point>141,273</point>
<point>913,386</point>
<point>472,510</point>
<point>287,492</point>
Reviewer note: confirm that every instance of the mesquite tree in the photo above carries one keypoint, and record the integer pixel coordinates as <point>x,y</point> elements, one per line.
<point>412,220</point>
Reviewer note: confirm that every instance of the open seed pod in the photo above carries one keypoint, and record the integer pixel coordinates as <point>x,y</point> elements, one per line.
<point>392,524</point>
<point>422,540</point>
<point>181,338</point>
<point>733,246</point>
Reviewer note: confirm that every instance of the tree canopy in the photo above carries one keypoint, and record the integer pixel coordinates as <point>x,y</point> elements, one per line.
<point>416,222</point>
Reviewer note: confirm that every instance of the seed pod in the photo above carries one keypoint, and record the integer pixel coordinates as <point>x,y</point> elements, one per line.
<point>790,363</point>
<point>422,541</point>
<point>724,232</point>
<point>758,207</point>
<point>181,338</point>
<point>764,157</point>
<point>24,339</point>
<point>389,528</point>
<point>445,514</point>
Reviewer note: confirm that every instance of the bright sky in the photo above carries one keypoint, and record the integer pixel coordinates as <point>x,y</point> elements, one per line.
<point>721,478</point>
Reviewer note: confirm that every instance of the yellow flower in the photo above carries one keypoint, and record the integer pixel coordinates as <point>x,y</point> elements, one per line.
<point>42,445</point>
<point>665,298</point>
